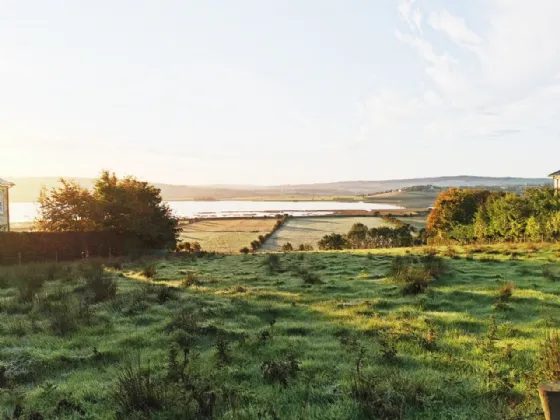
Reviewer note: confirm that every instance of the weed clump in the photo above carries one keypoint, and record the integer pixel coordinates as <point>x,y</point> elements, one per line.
<point>549,357</point>
<point>149,271</point>
<point>191,279</point>
<point>280,371</point>
<point>137,392</point>
<point>387,395</point>
<point>309,277</point>
<point>505,292</point>
<point>415,276</point>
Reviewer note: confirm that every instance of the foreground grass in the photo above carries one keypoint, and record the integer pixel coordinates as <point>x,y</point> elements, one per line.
<point>250,337</point>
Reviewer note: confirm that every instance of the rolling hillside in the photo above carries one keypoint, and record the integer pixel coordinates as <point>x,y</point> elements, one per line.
<point>27,189</point>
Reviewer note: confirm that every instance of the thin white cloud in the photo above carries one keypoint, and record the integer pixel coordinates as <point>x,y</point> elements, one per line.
<point>454,28</point>
<point>412,16</point>
<point>493,85</point>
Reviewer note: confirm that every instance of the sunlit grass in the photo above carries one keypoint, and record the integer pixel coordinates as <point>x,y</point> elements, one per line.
<point>356,313</point>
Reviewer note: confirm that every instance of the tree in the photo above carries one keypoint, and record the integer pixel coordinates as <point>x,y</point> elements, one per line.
<point>69,207</point>
<point>455,207</point>
<point>358,235</point>
<point>533,229</point>
<point>334,241</point>
<point>123,206</point>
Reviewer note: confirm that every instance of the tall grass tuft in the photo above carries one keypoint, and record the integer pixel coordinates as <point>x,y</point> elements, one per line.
<point>99,283</point>
<point>549,357</point>
<point>137,392</point>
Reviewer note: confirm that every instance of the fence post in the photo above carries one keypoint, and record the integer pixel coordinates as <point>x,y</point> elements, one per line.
<point>19,258</point>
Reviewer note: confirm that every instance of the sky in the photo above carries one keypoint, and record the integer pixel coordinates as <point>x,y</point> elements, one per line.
<point>276,92</point>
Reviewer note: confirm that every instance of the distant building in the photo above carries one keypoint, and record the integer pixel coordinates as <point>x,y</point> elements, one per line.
<point>556,178</point>
<point>4,205</point>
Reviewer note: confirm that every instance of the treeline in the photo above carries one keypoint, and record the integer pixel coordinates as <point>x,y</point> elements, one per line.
<point>257,243</point>
<point>362,237</point>
<point>467,216</point>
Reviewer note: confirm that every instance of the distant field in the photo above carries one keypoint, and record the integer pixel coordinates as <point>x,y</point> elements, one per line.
<point>225,235</point>
<point>417,222</point>
<point>407,199</point>
<point>310,230</point>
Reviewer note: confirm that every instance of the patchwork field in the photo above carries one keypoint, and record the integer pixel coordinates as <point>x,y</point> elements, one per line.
<point>225,235</point>
<point>295,336</point>
<point>310,230</point>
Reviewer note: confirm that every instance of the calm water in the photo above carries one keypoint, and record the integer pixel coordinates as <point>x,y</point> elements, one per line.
<point>27,212</point>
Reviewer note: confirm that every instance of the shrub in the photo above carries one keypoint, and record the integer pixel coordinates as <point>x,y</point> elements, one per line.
<point>287,247</point>
<point>280,371</point>
<point>549,357</point>
<point>272,263</point>
<point>99,283</point>
<point>309,277</point>
<point>305,247</point>
<point>149,271</point>
<point>244,250</point>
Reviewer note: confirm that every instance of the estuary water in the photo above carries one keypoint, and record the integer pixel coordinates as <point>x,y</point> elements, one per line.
<point>27,212</point>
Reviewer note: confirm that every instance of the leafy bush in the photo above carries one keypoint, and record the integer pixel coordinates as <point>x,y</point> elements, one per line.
<point>99,283</point>
<point>244,250</point>
<point>287,247</point>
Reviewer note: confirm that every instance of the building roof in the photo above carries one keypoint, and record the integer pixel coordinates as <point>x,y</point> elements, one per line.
<point>4,183</point>
<point>557,173</point>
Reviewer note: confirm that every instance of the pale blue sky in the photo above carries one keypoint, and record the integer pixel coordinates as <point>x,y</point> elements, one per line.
<point>279,91</point>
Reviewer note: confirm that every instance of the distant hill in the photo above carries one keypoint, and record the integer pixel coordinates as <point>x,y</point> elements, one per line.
<point>27,189</point>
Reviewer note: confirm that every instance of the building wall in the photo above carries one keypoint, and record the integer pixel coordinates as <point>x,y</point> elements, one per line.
<point>3,208</point>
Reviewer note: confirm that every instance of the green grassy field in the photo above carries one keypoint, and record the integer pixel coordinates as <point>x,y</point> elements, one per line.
<point>315,336</point>
<point>406,199</point>
<point>311,229</point>
<point>226,235</point>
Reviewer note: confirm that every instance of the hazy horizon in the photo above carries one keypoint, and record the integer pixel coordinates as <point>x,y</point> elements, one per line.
<point>277,93</point>
<point>279,185</point>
